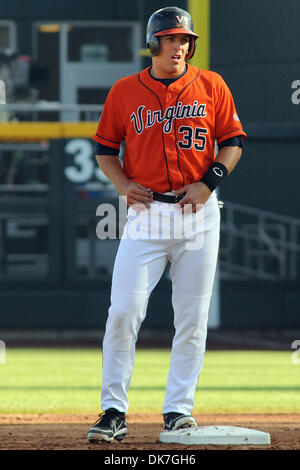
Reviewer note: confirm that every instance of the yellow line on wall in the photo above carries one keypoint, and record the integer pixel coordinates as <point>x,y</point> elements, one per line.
<point>200,12</point>
<point>144,53</point>
<point>22,131</point>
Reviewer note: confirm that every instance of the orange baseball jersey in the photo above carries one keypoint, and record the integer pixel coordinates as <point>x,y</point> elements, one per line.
<point>169,132</point>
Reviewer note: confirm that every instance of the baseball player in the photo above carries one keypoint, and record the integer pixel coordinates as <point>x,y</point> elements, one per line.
<point>170,115</point>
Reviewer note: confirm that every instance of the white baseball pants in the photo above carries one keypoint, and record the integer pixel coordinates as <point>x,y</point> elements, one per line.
<point>139,265</point>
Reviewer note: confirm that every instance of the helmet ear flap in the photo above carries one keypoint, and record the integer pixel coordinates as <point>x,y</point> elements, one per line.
<point>192,48</point>
<point>153,46</point>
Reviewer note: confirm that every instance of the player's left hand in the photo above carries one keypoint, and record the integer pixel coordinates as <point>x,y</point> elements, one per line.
<point>196,195</point>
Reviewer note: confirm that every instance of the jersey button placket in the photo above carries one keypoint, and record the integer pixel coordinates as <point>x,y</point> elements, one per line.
<point>163,103</point>
<point>169,138</point>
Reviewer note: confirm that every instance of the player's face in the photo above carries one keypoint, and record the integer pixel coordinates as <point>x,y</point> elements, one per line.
<point>170,61</point>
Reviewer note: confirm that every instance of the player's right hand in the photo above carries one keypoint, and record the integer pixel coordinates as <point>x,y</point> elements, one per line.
<point>135,193</point>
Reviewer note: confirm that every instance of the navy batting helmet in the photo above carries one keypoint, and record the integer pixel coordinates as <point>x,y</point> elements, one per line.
<point>170,20</point>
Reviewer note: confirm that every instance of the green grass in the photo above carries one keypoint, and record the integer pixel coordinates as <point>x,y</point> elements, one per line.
<point>68,381</point>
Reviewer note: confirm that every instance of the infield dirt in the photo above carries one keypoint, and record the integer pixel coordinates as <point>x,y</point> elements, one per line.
<point>68,432</point>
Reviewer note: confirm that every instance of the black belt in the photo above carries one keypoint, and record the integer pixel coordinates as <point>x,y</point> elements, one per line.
<point>167,197</point>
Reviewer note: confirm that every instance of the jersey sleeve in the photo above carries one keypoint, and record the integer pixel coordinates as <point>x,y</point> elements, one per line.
<point>227,122</point>
<point>110,130</point>
<point>231,142</point>
<point>101,149</point>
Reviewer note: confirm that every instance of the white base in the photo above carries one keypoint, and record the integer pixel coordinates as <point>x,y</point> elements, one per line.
<point>220,435</point>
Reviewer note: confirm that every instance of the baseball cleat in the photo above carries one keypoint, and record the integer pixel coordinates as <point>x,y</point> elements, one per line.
<point>174,421</point>
<point>110,425</point>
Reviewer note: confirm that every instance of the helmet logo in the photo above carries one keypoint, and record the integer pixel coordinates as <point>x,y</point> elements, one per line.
<point>180,19</point>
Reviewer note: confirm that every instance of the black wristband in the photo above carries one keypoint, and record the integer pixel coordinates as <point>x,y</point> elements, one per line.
<point>215,175</point>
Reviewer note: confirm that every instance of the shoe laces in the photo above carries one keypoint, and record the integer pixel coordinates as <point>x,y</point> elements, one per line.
<point>107,414</point>
<point>100,417</point>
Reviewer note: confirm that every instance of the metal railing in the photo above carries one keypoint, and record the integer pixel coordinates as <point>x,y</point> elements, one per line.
<point>255,244</point>
<point>258,244</point>
<point>67,112</point>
